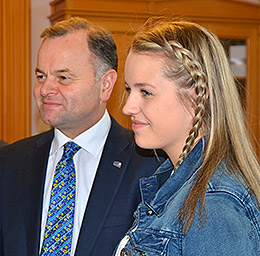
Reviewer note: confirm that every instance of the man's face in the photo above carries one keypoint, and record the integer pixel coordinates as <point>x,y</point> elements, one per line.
<point>65,89</point>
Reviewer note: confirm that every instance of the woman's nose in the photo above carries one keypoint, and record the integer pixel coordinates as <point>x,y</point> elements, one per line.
<point>131,106</point>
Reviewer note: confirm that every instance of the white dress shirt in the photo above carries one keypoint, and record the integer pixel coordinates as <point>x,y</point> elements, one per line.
<point>86,161</point>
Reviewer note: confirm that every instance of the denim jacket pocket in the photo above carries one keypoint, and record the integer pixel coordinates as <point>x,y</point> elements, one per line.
<point>150,241</point>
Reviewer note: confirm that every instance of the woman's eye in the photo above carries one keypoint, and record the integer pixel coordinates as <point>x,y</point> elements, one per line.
<point>146,93</point>
<point>128,89</point>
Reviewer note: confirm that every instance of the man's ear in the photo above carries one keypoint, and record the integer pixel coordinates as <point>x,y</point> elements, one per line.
<point>108,81</point>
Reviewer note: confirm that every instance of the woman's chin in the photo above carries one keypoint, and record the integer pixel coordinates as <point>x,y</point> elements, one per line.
<point>143,144</point>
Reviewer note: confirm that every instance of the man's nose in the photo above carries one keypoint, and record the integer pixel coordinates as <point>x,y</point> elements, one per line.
<point>48,87</point>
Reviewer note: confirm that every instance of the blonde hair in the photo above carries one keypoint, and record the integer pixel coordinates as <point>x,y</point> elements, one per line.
<point>194,57</point>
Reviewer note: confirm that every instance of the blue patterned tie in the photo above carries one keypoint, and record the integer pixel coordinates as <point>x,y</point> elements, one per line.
<point>60,218</point>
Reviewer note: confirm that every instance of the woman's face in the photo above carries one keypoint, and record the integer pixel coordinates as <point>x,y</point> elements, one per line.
<point>159,119</point>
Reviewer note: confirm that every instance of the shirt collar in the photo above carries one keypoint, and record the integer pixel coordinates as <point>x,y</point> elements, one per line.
<point>92,140</point>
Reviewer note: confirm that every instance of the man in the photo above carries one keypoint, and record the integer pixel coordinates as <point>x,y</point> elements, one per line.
<point>75,75</point>
<point>2,143</point>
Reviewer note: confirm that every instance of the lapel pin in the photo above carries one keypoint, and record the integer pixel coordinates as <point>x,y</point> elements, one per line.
<point>117,164</point>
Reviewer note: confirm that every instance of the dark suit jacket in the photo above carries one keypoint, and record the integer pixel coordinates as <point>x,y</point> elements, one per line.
<point>2,143</point>
<point>113,199</point>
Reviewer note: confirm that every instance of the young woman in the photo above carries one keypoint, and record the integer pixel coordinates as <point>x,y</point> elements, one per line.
<point>182,99</point>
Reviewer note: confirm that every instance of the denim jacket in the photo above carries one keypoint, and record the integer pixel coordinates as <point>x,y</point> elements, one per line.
<point>232,225</point>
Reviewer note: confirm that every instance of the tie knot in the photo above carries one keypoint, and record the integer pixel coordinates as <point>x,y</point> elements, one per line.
<point>70,149</point>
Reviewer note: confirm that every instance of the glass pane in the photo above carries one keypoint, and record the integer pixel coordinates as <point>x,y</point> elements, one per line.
<point>236,52</point>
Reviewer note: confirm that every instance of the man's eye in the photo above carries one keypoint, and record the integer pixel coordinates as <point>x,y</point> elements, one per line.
<point>40,77</point>
<point>64,79</point>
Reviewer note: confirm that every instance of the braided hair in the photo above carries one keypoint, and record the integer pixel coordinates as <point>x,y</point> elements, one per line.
<point>195,58</point>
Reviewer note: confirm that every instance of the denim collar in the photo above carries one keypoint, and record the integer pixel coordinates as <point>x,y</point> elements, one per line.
<point>156,198</point>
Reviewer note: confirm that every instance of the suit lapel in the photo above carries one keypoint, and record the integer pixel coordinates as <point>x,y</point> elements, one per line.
<point>109,175</point>
<point>35,171</point>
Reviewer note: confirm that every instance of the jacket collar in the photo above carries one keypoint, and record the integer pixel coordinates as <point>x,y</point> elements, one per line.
<point>156,191</point>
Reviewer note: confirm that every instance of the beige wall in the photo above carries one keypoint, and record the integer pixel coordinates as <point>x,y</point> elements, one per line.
<point>23,21</point>
<point>40,10</point>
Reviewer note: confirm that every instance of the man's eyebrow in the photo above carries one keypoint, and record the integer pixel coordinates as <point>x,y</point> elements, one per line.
<point>59,71</point>
<point>37,70</point>
<point>66,70</point>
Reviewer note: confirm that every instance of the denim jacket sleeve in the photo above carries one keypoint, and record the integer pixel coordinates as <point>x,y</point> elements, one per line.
<point>231,227</point>
<point>232,220</point>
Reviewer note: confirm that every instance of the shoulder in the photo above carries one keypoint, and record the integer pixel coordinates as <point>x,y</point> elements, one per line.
<point>231,206</point>
<point>232,220</point>
<point>228,185</point>
<point>122,140</point>
<point>119,133</point>
<point>2,143</point>
<point>25,145</point>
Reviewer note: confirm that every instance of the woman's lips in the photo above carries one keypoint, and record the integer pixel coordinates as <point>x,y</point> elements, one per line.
<point>138,125</point>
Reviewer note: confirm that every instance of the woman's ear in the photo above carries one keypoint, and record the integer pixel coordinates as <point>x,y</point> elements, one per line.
<point>108,81</point>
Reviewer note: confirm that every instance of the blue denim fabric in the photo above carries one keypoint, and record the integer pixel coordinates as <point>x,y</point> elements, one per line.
<point>232,226</point>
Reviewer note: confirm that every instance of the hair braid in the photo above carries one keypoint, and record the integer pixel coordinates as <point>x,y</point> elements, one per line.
<point>194,68</point>
<point>195,58</point>
<point>188,67</point>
